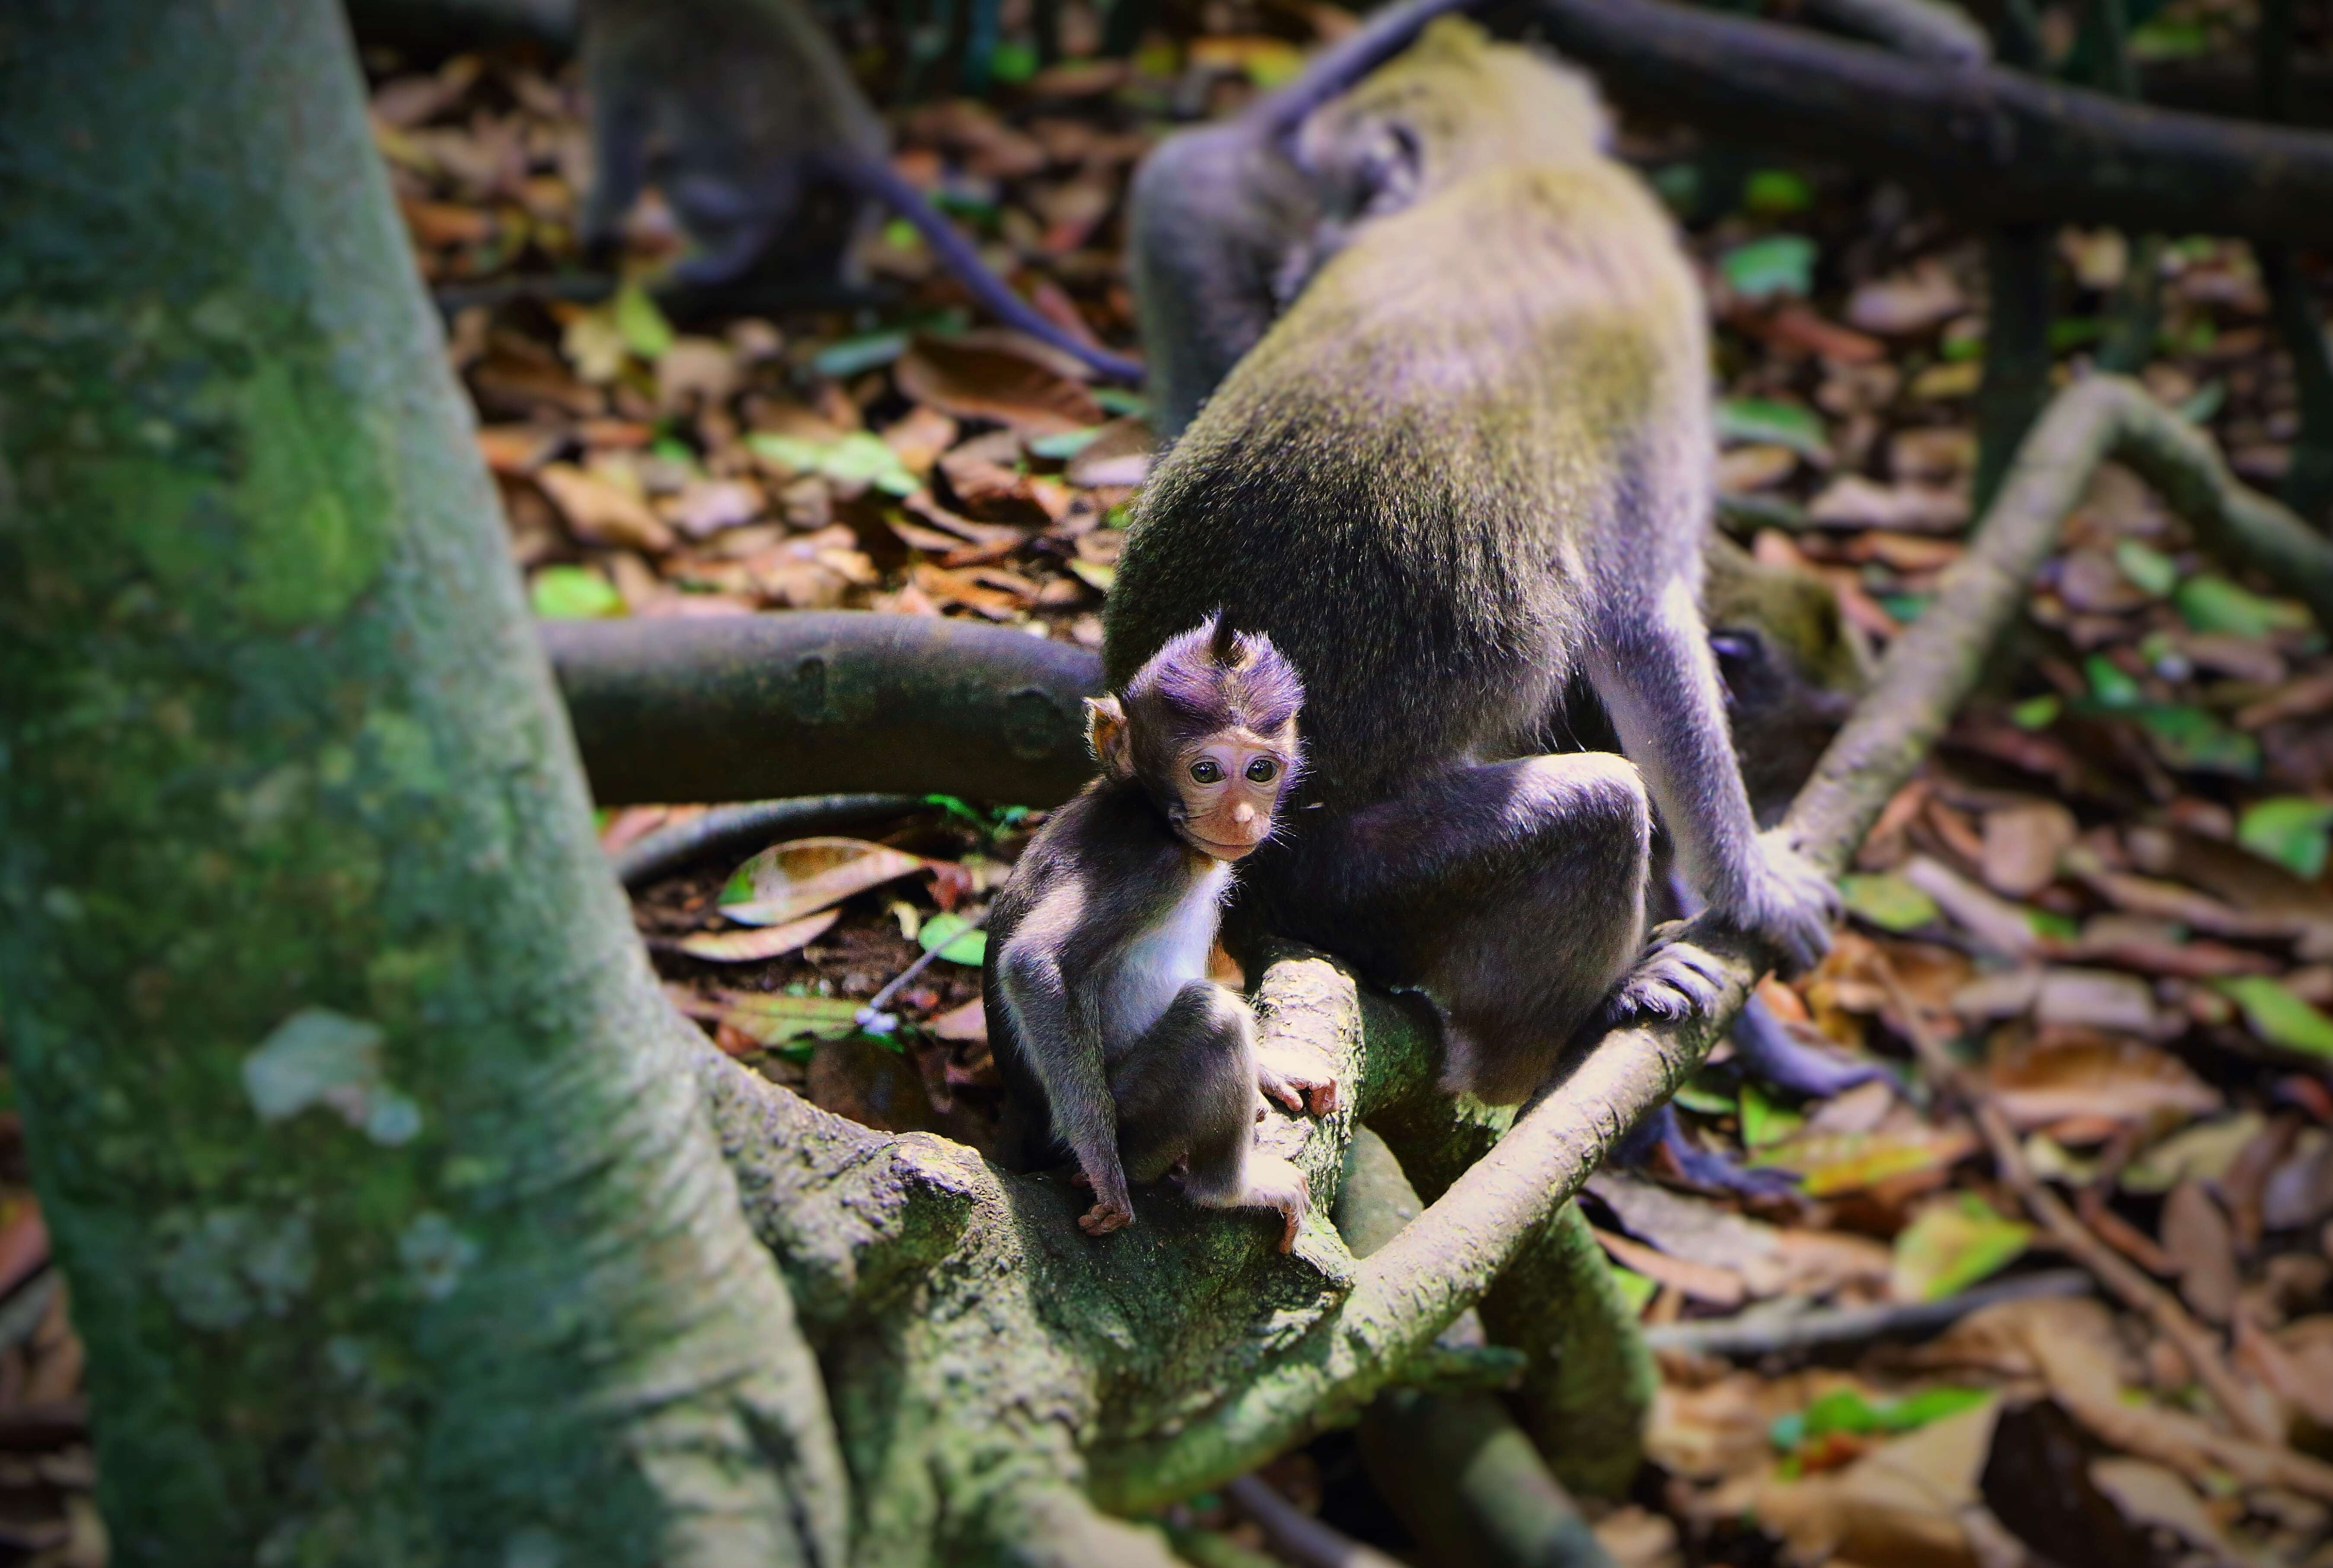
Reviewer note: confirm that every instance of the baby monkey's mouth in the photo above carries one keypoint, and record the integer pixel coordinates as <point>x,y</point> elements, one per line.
<point>1218,848</point>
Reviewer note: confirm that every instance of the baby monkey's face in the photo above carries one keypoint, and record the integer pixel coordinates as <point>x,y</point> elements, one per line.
<point>1230,784</point>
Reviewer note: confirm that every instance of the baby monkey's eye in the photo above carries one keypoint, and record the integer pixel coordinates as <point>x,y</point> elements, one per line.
<point>1206,771</point>
<point>1261,770</point>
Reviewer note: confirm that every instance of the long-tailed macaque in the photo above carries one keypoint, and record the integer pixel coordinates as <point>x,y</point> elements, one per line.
<point>745,109</point>
<point>1473,456</point>
<point>1101,1012</point>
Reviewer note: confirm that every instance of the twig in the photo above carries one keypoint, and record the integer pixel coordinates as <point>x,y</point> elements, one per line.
<point>1755,1333</point>
<point>1297,1534</point>
<point>871,1017</point>
<point>2114,1271</point>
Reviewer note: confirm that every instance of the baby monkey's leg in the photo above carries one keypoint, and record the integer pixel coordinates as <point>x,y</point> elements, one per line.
<point>1188,1091</point>
<point>1513,893</point>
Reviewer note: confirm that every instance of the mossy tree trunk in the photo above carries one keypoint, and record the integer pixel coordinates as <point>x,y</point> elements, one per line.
<point>397,1231</point>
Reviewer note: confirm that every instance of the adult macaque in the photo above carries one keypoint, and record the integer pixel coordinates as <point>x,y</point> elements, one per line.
<point>1221,220</point>
<point>745,111</point>
<point>1473,456</point>
<point>1102,1018</point>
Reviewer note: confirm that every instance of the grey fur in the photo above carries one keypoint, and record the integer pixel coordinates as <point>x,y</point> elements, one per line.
<point>1471,458</point>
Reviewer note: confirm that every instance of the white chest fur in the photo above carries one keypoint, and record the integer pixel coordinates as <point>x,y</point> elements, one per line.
<point>1164,958</point>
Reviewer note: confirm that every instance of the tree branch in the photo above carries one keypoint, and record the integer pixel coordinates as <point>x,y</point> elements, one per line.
<point>735,707</point>
<point>2001,145</point>
<point>1409,1291</point>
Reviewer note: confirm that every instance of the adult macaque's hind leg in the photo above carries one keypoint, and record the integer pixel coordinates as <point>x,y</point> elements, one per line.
<point>1188,1091</point>
<point>1511,893</point>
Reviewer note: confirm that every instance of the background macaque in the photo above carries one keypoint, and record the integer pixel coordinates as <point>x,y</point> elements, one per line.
<point>746,113</point>
<point>1101,1012</point>
<point>1474,454</point>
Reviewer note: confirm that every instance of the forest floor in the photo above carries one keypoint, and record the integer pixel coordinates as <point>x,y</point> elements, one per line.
<point>2105,896</point>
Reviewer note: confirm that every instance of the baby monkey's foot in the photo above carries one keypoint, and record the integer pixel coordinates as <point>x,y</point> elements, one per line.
<point>1674,980</point>
<point>1296,1079</point>
<point>1109,1213</point>
<point>1275,1183</point>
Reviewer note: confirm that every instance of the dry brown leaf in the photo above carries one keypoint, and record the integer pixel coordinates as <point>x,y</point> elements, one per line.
<point>1914,300</point>
<point>2202,1245</point>
<point>758,942</point>
<point>601,512</point>
<point>2036,1082</point>
<point>2021,846</point>
<point>1704,1282</point>
<point>1013,389</point>
<point>2153,1496</point>
<point>1900,1503</point>
<point>968,1023</point>
<point>1935,454</point>
<point>1742,469</point>
<point>789,880</point>
<point>1852,501</point>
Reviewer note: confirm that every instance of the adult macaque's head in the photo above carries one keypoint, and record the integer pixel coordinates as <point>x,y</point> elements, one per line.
<point>1208,728</point>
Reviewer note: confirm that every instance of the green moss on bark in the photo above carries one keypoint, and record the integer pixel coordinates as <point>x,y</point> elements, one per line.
<point>395,1229</point>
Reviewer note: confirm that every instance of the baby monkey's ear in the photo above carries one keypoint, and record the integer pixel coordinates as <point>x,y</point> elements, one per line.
<point>1107,738</point>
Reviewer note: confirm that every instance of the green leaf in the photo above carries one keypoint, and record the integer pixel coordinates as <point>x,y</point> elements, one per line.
<point>1678,185</point>
<point>2278,1016</point>
<point>2209,603</point>
<point>2196,739</point>
<point>1064,446</point>
<point>1635,1289</point>
<point>2037,712</point>
<point>901,235</point>
<point>2049,923</point>
<point>1779,263</point>
<point>645,331</point>
<point>1906,608</point>
<point>2110,683</point>
<point>1765,1123</point>
<point>2074,331</point>
<point>573,593</point>
<point>1887,901</point>
<point>2169,38</point>
<point>953,936</point>
<point>1916,1410</point>
<point>1769,422</point>
<point>2291,830</point>
<point>1842,1410</point>
<point>2146,566</point>
<point>1014,60</point>
<point>1952,1245</point>
<point>1704,1100</point>
<point>1776,192</point>
<point>857,458</point>
<point>857,355</point>
<point>1121,402</point>
<point>773,1020</point>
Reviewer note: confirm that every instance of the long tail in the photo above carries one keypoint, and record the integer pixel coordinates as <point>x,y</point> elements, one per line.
<point>877,178</point>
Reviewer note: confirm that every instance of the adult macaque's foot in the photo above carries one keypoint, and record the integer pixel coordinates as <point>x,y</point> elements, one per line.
<point>1792,904</point>
<point>1296,1080</point>
<point>1675,980</point>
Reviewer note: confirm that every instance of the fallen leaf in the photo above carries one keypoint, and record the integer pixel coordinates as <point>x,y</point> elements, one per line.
<point>2003,927</point>
<point>1899,1503</point>
<point>1952,1243</point>
<point>2041,1080</point>
<point>2292,831</point>
<point>1852,501</point>
<point>2153,1496</point>
<point>1904,303</point>
<point>1777,264</point>
<point>953,938</point>
<point>573,593</point>
<point>2199,1242</point>
<point>2206,1153</point>
<point>2278,1016</point>
<point>2100,999</point>
<point>1888,901</point>
<point>967,1023</point>
<point>1832,1163</point>
<point>773,1020</point>
<point>1747,469</point>
<point>760,942</point>
<point>2021,846</point>
<point>1721,1287</point>
<point>601,512</point>
<point>993,384</point>
<point>789,880</point>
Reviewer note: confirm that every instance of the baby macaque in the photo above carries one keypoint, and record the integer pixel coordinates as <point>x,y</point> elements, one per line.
<point>749,112</point>
<point>1471,458</point>
<point>1101,1012</point>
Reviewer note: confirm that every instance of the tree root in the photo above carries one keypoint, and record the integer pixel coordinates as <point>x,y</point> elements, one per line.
<point>2000,145</point>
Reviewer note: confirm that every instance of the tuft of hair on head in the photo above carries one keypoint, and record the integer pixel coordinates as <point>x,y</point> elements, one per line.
<point>1214,678</point>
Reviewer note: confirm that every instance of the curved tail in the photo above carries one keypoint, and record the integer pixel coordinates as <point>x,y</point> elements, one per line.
<point>877,178</point>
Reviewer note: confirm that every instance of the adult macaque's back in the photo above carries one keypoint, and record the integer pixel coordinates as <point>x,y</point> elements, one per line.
<point>1472,455</point>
